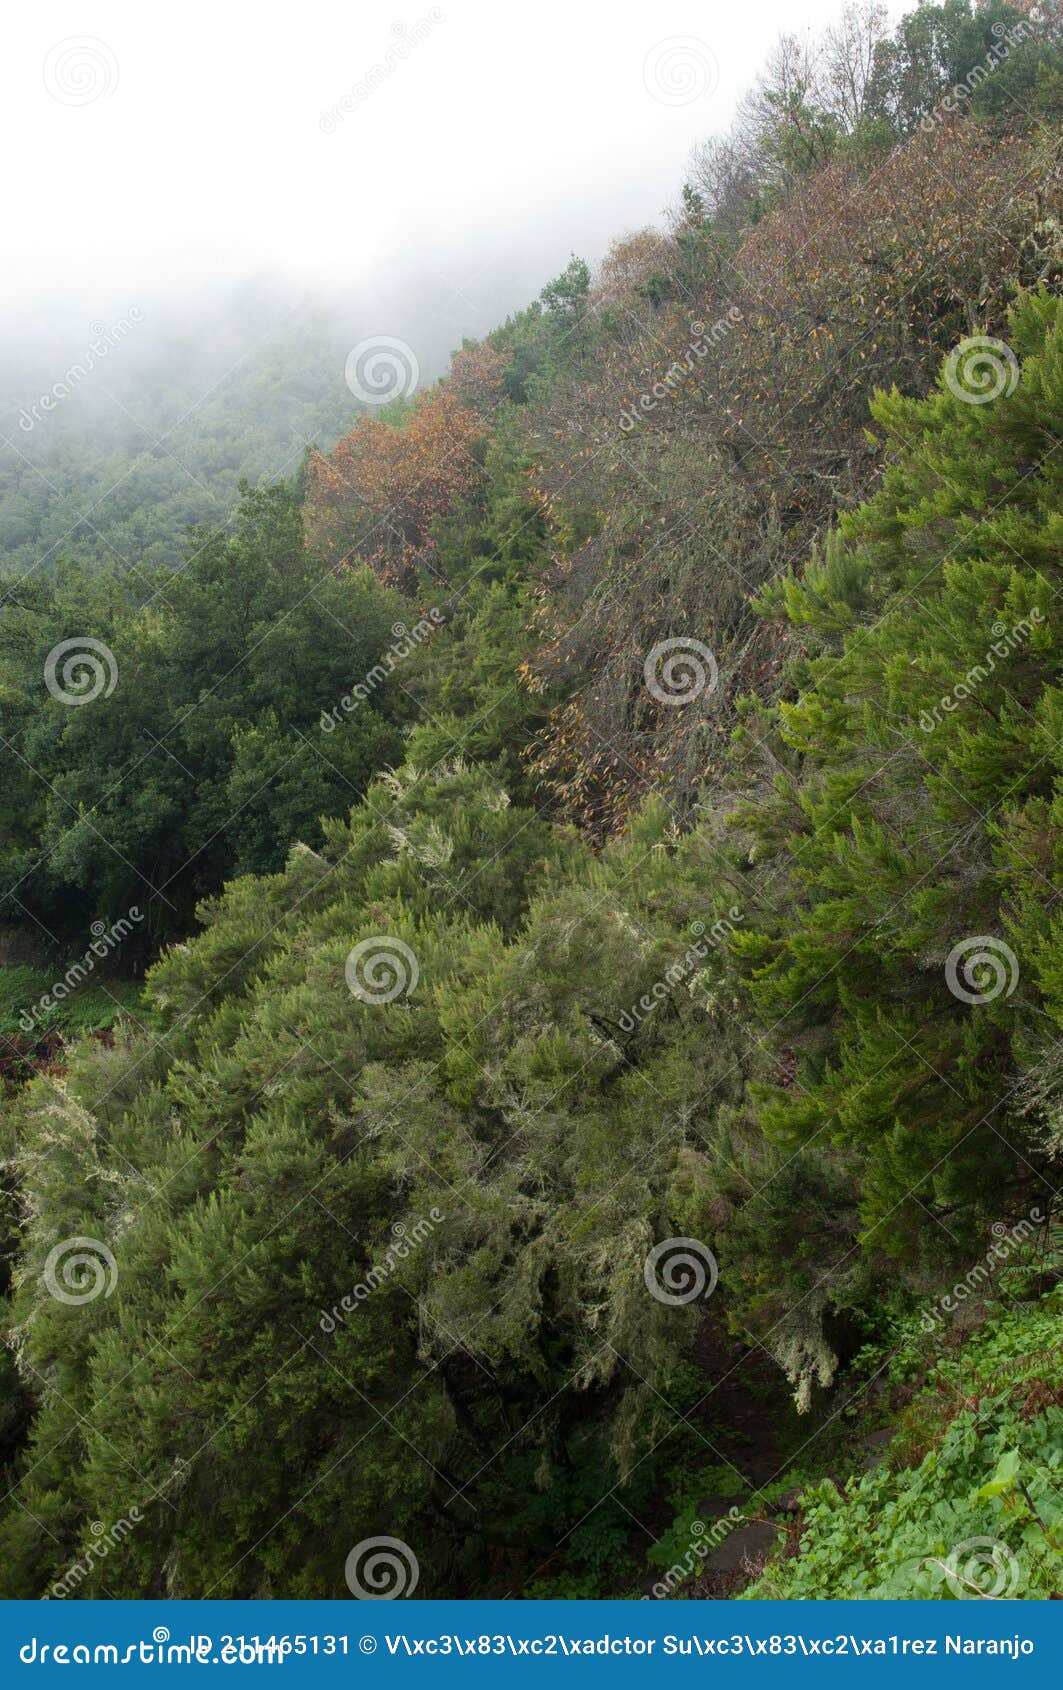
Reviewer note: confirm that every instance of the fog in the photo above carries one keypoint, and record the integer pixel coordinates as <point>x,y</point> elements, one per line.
<point>423,168</point>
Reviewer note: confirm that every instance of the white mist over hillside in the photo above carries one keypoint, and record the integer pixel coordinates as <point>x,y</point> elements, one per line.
<point>213,210</point>
<point>395,153</point>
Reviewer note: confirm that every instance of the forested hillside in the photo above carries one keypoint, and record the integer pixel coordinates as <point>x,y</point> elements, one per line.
<point>120,435</point>
<point>590,1122</point>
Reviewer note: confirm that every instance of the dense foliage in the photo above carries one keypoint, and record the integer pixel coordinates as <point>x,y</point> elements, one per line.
<point>976,1468</point>
<point>179,737</point>
<point>120,436</point>
<point>514,970</point>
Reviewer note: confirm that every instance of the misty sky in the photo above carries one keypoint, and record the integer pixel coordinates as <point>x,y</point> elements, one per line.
<point>158,148</point>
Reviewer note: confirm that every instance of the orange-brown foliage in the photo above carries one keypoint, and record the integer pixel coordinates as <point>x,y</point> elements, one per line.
<point>476,376</point>
<point>375,496</point>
